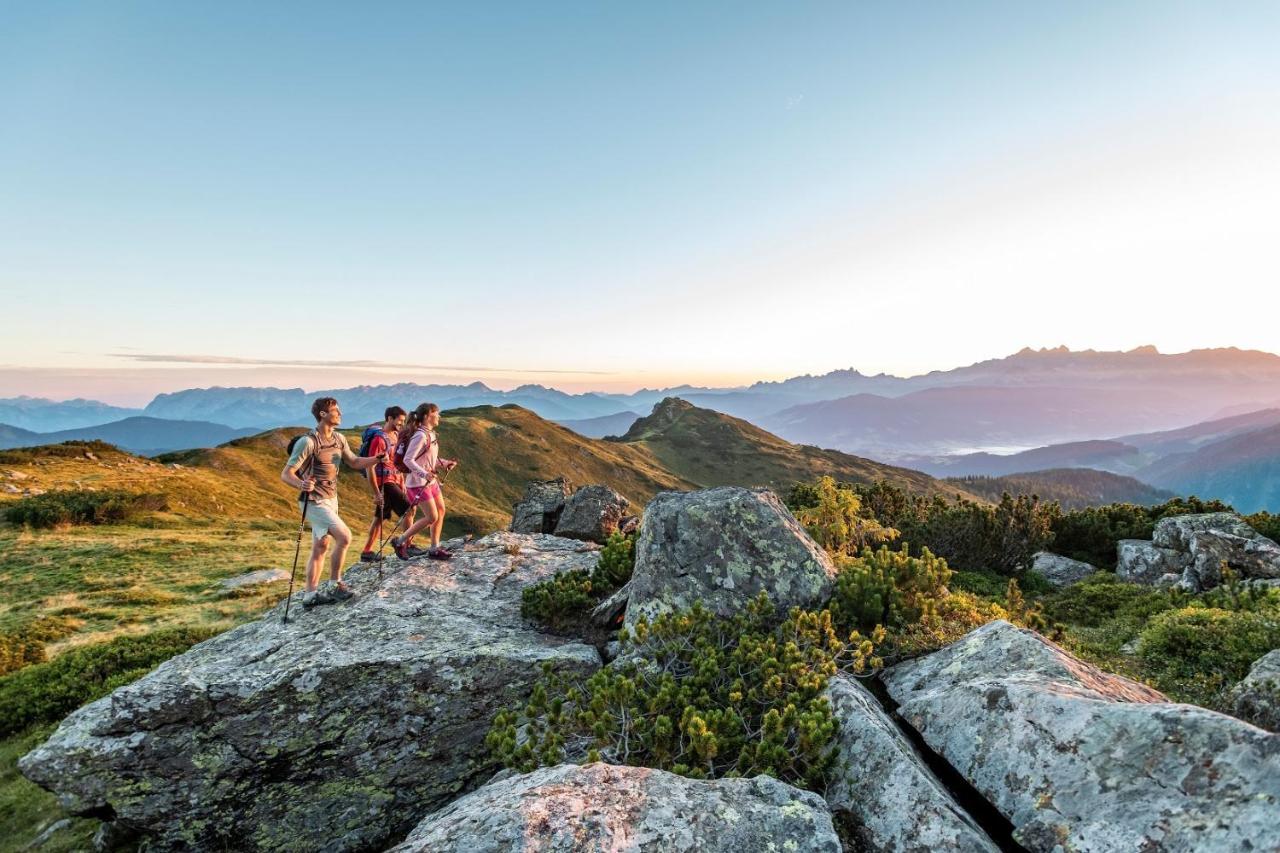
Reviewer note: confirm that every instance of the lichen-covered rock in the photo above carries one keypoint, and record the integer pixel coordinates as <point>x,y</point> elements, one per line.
<point>591,513</point>
<point>336,731</point>
<point>721,547</point>
<point>1257,698</point>
<point>599,807</point>
<point>1189,551</point>
<point>1059,570</point>
<point>539,510</point>
<point>1175,532</point>
<point>1140,561</point>
<point>892,801</point>
<point>1078,759</point>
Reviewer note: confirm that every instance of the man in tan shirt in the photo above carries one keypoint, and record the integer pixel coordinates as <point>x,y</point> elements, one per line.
<point>318,456</point>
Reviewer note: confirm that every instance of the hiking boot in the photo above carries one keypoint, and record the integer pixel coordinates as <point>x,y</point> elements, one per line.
<point>415,551</point>
<point>319,596</point>
<point>439,554</point>
<point>342,592</point>
<point>402,550</point>
<point>368,557</point>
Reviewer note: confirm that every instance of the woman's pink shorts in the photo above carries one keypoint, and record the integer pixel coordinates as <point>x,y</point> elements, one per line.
<point>422,494</point>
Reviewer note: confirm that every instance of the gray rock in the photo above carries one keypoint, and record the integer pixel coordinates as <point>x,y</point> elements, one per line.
<point>608,613</point>
<point>1190,550</point>
<point>1176,531</point>
<point>1140,561</point>
<point>1078,759</point>
<point>591,513</point>
<point>539,510</point>
<point>1257,698</point>
<point>252,578</point>
<point>601,807</point>
<point>336,731</point>
<point>721,547</point>
<point>892,800</point>
<point>1059,570</point>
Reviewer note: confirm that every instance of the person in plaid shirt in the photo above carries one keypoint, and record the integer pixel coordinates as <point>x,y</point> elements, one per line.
<point>387,483</point>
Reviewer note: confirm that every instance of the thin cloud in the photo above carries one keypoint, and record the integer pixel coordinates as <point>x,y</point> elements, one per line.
<point>364,364</point>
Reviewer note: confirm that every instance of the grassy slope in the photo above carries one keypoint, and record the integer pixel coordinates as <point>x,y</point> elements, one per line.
<point>713,449</point>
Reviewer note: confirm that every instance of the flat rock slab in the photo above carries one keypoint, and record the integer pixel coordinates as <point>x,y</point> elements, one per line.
<point>600,807</point>
<point>1078,759</point>
<point>253,578</point>
<point>893,801</point>
<point>721,547</point>
<point>336,731</point>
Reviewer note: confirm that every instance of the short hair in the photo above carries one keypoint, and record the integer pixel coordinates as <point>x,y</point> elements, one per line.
<point>392,412</point>
<point>322,404</point>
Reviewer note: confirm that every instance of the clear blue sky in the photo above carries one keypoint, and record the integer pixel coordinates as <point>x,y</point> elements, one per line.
<point>614,195</point>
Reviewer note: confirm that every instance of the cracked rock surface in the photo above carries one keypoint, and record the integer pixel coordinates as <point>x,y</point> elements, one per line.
<point>599,807</point>
<point>721,547</point>
<point>337,731</point>
<point>1078,759</point>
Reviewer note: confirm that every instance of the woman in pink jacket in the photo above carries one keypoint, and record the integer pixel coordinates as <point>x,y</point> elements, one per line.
<point>422,460</point>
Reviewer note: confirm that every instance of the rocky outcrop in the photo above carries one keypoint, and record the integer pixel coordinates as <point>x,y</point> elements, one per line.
<point>336,731</point>
<point>1078,759</point>
<point>1257,698</point>
<point>882,787</point>
<point>1059,570</point>
<point>721,547</point>
<point>540,508</point>
<point>592,513</point>
<point>1189,551</point>
<point>572,808</point>
<point>1141,561</point>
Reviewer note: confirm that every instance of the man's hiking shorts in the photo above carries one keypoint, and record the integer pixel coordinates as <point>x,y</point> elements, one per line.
<point>394,500</point>
<point>422,494</point>
<point>323,514</point>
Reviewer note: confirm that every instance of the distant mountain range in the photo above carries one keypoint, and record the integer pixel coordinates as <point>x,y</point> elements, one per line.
<point>139,435</point>
<point>603,425</point>
<point>1073,488</point>
<point>1033,397</point>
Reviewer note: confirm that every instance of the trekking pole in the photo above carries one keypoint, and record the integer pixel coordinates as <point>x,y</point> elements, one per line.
<point>302,526</point>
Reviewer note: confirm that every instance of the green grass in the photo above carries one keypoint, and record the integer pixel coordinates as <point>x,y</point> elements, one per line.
<point>26,809</point>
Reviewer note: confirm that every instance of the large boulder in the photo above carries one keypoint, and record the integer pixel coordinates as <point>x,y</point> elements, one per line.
<point>1140,561</point>
<point>1257,698</point>
<point>1078,759</point>
<point>721,547</point>
<point>1059,570</point>
<point>540,508</point>
<point>1190,550</point>
<point>338,730</point>
<point>881,786</point>
<point>592,513</point>
<point>598,807</point>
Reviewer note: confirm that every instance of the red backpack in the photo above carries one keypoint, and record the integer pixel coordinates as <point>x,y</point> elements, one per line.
<point>403,444</point>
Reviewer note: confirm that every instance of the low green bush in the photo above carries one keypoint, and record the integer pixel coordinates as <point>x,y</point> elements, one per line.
<point>563,601</point>
<point>887,588</point>
<point>46,692</point>
<point>64,507</point>
<point>65,450</point>
<point>1195,653</point>
<point>697,695</point>
<point>1103,598</point>
<point>25,645</point>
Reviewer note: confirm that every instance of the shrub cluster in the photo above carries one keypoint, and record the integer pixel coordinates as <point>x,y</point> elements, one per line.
<point>64,507</point>
<point>1197,653</point>
<point>46,692</point>
<point>887,588</point>
<point>563,601</point>
<point>25,645</point>
<point>697,695</point>
<point>834,518</point>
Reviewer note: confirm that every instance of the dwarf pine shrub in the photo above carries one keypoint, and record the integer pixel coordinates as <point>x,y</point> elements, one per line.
<point>887,588</point>
<point>65,507</point>
<point>698,695</point>
<point>563,601</point>
<point>1196,653</point>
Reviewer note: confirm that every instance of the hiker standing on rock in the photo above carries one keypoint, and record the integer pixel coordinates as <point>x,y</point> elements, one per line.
<point>419,456</point>
<point>318,455</point>
<point>385,479</point>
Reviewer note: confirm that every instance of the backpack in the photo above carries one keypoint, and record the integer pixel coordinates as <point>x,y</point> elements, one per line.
<point>402,445</point>
<point>309,465</point>
<point>366,439</point>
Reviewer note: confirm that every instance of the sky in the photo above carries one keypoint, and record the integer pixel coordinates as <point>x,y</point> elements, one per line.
<point>613,196</point>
